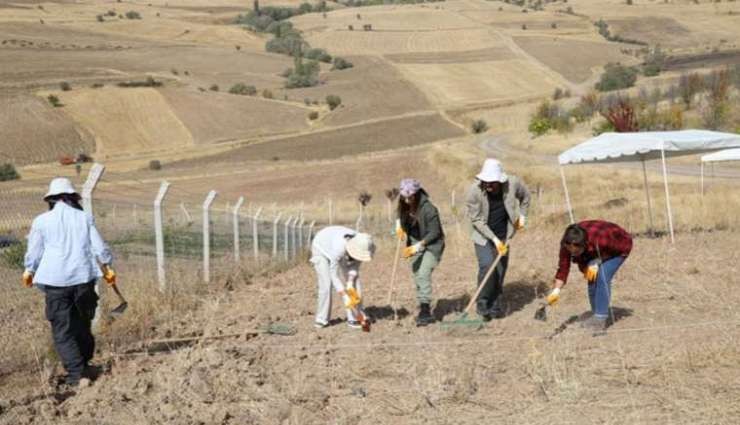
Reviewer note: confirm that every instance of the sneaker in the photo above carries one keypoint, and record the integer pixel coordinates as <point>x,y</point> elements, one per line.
<point>319,325</point>
<point>354,324</point>
<point>425,316</point>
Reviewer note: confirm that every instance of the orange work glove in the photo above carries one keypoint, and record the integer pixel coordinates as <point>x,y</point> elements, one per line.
<point>27,279</point>
<point>109,275</point>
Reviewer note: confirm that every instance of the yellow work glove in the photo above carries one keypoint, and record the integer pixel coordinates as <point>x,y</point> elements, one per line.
<point>554,297</point>
<point>500,247</point>
<point>591,271</point>
<point>520,222</point>
<point>109,275</point>
<point>27,279</point>
<point>400,234</point>
<point>412,250</point>
<point>352,298</point>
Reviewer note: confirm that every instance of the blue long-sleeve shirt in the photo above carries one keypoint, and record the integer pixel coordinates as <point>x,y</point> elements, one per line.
<point>63,247</point>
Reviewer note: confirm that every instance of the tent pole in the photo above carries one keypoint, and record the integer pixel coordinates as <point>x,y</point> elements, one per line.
<point>647,195</point>
<point>701,179</point>
<point>667,195</point>
<point>567,196</point>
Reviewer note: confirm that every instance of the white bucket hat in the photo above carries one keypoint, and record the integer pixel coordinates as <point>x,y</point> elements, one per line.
<point>361,247</point>
<point>492,172</point>
<point>59,186</point>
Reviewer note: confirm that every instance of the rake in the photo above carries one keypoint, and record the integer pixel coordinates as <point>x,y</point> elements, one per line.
<point>463,319</point>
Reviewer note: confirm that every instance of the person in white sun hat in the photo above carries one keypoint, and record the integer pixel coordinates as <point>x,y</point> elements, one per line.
<point>336,255</point>
<point>64,248</point>
<point>497,207</point>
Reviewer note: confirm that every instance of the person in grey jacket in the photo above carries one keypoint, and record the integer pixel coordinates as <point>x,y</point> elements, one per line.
<point>418,222</point>
<point>497,207</point>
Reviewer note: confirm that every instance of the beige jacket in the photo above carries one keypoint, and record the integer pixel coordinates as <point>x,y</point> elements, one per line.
<point>516,202</point>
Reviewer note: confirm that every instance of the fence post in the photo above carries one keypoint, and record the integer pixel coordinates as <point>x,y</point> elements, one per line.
<point>207,236</point>
<point>310,233</point>
<point>293,234</point>
<point>96,171</point>
<point>159,234</point>
<point>275,235</point>
<point>256,234</point>
<point>286,239</point>
<point>235,213</point>
<point>300,234</point>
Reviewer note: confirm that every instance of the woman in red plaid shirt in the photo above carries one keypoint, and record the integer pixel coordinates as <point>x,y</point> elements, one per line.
<point>599,248</point>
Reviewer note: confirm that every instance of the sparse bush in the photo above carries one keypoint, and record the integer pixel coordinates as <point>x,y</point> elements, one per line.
<point>111,13</point>
<point>267,94</point>
<point>97,85</point>
<point>54,101</point>
<point>333,101</point>
<point>13,256</point>
<point>65,86</point>
<point>539,126</point>
<point>616,77</point>
<point>558,94</point>
<point>238,47</point>
<point>243,89</point>
<point>524,26</point>
<point>174,71</point>
<point>100,18</point>
<point>479,126</point>
<point>303,74</point>
<point>554,25</point>
<point>149,82</point>
<point>688,86</point>
<point>8,172</point>
<point>132,14</point>
<point>313,115</point>
<point>214,87</point>
<point>155,165</point>
<point>654,62</point>
<point>350,27</point>
<point>549,116</point>
<point>340,63</point>
<point>318,54</point>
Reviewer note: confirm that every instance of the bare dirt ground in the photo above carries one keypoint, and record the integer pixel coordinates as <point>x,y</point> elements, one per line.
<point>671,356</point>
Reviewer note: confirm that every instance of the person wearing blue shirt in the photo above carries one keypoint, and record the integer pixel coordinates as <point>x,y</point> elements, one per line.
<point>64,248</point>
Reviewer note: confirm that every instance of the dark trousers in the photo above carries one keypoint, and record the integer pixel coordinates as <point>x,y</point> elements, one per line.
<point>70,311</point>
<point>490,299</point>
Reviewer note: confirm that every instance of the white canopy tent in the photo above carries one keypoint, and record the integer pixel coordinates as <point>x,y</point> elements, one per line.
<point>725,155</point>
<point>630,147</point>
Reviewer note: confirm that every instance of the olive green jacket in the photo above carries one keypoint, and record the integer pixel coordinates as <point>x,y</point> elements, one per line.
<point>516,202</point>
<point>430,226</point>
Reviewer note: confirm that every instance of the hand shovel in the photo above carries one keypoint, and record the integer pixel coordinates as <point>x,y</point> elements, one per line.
<point>121,307</point>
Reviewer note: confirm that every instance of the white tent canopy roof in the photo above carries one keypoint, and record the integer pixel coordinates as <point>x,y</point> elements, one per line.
<point>725,155</point>
<point>625,147</point>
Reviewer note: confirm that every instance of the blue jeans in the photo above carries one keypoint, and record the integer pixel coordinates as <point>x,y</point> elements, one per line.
<point>600,292</point>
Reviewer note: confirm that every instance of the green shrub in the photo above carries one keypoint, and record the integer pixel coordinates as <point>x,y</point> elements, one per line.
<point>8,172</point>
<point>54,101</point>
<point>65,86</point>
<point>267,94</point>
<point>654,62</point>
<point>155,165</point>
<point>214,87</point>
<point>479,126</point>
<point>333,101</point>
<point>149,82</point>
<point>313,115</point>
<point>539,126</point>
<point>616,77</point>
<point>303,74</point>
<point>132,14</point>
<point>243,89</point>
<point>14,256</point>
<point>318,54</point>
<point>341,63</point>
<point>100,18</point>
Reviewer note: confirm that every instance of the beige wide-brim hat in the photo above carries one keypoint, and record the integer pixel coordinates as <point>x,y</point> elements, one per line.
<point>60,185</point>
<point>361,247</point>
<point>492,171</point>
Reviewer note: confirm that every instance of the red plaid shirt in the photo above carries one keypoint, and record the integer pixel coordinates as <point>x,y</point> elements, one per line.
<point>604,240</point>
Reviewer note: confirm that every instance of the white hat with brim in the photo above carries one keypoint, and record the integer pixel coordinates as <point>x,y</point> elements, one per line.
<point>361,247</point>
<point>492,172</point>
<point>59,186</point>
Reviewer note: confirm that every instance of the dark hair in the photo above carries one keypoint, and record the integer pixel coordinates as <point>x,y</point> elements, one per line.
<point>71,199</point>
<point>406,210</point>
<point>574,234</point>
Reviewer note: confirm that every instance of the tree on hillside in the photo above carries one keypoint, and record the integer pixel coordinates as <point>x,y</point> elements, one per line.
<point>616,77</point>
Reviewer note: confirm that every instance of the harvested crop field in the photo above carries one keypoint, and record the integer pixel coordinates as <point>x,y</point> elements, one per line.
<point>335,143</point>
<point>344,42</point>
<point>126,120</point>
<point>575,60</point>
<point>31,130</point>
<point>371,89</point>
<point>460,84</point>
<point>464,56</point>
<point>386,18</point>
<point>212,117</point>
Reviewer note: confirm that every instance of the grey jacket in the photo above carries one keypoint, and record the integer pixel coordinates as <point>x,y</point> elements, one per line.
<point>516,202</point>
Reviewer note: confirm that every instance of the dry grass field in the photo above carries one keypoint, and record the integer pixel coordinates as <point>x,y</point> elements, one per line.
<point>421,76</point>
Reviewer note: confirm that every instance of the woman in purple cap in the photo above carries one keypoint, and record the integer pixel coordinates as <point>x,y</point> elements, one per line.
<point>418,223</point>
